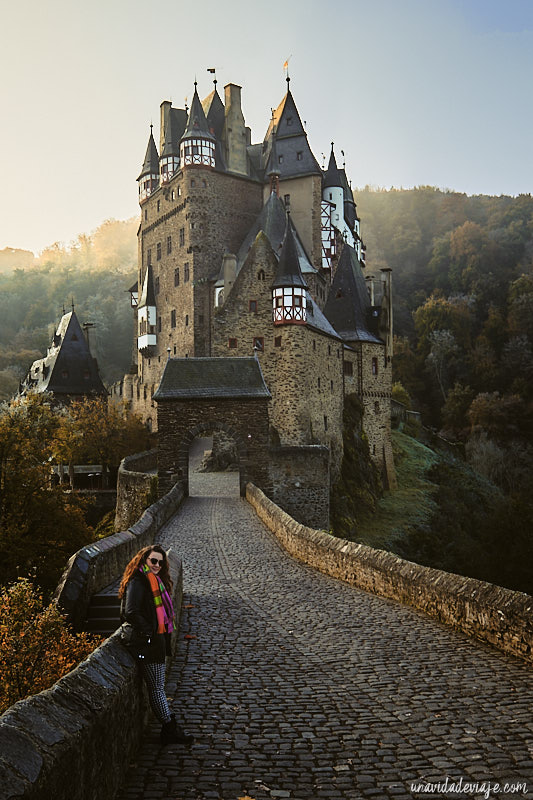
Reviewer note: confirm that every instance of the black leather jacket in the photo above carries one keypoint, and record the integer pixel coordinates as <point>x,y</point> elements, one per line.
<point>140,632</point>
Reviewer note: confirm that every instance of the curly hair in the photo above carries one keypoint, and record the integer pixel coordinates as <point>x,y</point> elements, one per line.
<point>138,560</point>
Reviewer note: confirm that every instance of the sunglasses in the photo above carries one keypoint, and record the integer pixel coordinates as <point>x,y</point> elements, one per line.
<point>155,561</point>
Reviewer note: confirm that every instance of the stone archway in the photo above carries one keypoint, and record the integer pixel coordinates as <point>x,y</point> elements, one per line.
<point>243,420</point>
<point>202,432</point>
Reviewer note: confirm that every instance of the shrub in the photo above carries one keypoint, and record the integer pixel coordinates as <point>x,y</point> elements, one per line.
<point>36,646</point>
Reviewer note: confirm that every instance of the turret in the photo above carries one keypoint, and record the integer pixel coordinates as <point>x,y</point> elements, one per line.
<point>149,177</point>
<point>289,287</point>
<point>197,147</point>
<point>146,313</point>
<point>333,191</point>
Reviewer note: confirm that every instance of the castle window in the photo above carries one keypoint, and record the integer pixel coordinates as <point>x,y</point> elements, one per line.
<point>159,205</point>
<point>348,368</point>
<point>159,324</point>
<point>182,237</point>
<point>173,318</point>
<point>261,275</point>
<point>169,245</point>
<point>149,257</point>
<point>145,214</point>
<point>289,120</point>
<point>299,155</point>
<point>259,343</point>
<point>186,320</point>
<point>232,343</point>
<point>339,294</point>
<point>329,349</point>
<point>174,349</point>
<point>374,366</point>
<point>280,159</point>
<point>331,385</point>
<point>277,341</point>
<point>325,423</point>
<point>179,191</point>
<point>376,407</point>
<point>173,194</point>
<point>314,345</point>
<point>287,200</point>
<point>252,306</point>
<point>156,287</point>
<point>186,272</point>
<point>319,383</point>
<point>204,183</point>
<point>177,276</point>
<point>193,182</point>
<point>158,252</point>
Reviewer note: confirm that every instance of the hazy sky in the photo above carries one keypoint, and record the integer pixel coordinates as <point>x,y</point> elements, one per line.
<point>415,92</point>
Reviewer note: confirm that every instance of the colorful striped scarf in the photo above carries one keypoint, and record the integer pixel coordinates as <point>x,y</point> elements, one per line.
<point>162,601</point>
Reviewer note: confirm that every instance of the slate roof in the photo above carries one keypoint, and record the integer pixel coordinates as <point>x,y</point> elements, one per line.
<point>332,176</point>
<point>197,122</point>
<point>151,159</point>
<point>211,378</point>
<point>272,220</point>
<point>68,367</point>
<point>348,304</point>
<point>215,113</point>
<point>288,272</point>
<point>295,157</point>
<point>148,292</point>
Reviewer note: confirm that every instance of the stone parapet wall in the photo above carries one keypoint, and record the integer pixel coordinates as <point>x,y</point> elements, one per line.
<point>75,741</point>
<point>99,564</point>
<point>498,616</point>
<point>134,487</point>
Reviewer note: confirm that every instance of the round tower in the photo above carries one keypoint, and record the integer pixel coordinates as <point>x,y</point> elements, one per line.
<point>197,146</point>
<point>148,179</point>
<point>289,288</point>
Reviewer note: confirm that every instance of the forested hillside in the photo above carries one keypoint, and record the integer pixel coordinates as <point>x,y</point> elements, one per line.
<point>94,273</point>
<point>463,305</point>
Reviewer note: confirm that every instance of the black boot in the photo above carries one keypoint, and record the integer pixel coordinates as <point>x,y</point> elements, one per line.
<point>171,733</point>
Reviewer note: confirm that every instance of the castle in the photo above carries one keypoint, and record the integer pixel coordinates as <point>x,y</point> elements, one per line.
<point>252,251</point>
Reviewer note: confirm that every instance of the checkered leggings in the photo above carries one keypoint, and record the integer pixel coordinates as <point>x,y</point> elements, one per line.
<point>154,676</point>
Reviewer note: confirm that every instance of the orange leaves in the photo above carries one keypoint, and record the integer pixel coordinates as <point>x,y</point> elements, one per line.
<point>36,646</point>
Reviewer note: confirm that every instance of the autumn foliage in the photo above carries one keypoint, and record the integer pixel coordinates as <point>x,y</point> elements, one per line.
<point>36,646</point>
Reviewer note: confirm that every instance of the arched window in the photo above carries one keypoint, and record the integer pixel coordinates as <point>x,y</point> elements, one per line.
<point>261,275</point>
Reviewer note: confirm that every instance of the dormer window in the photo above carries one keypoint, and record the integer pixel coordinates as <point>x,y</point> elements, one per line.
<point>288,305</point>
<point>198,152</point>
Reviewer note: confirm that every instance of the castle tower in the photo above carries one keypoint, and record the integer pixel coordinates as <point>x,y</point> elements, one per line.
<point>197,146</point>
<point>333,192</point>
<point>300,177</point>
<point>289,287</point>
<point>149,176</point>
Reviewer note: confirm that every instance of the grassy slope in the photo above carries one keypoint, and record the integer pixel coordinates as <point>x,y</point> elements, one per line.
<point>410,504</point>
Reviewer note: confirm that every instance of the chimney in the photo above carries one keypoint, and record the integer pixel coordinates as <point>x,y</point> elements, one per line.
<point>234,134</point>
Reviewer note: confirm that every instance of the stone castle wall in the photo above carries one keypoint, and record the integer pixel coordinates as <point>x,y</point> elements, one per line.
<point>302,367</point>
<point>135,485</point>
<point>299,483</point>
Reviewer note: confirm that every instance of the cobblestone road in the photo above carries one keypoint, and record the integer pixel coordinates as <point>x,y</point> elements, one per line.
<point>296,685</point>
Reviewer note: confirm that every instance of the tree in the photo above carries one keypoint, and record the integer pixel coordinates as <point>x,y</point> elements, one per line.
<point>91,431</point>
<point>40,525</point>
<point>443,347</point>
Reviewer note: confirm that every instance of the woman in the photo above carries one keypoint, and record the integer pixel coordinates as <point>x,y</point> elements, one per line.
<point>146,608</point>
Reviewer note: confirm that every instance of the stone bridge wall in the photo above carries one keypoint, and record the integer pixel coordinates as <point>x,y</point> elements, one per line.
<point>134,487</point>
<point>491,613</point>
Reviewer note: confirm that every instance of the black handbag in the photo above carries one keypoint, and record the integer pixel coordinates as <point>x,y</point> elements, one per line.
<point>137,643</point>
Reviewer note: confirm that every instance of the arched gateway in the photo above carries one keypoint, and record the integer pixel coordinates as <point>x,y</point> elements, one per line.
<point>199,395</point>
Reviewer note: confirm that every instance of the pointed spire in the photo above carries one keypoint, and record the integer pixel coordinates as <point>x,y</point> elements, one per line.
<point>332,176</point>
<point>151,159</point>
<point>288,272</point>
<point>274,171</point>
<point>197,122</point>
